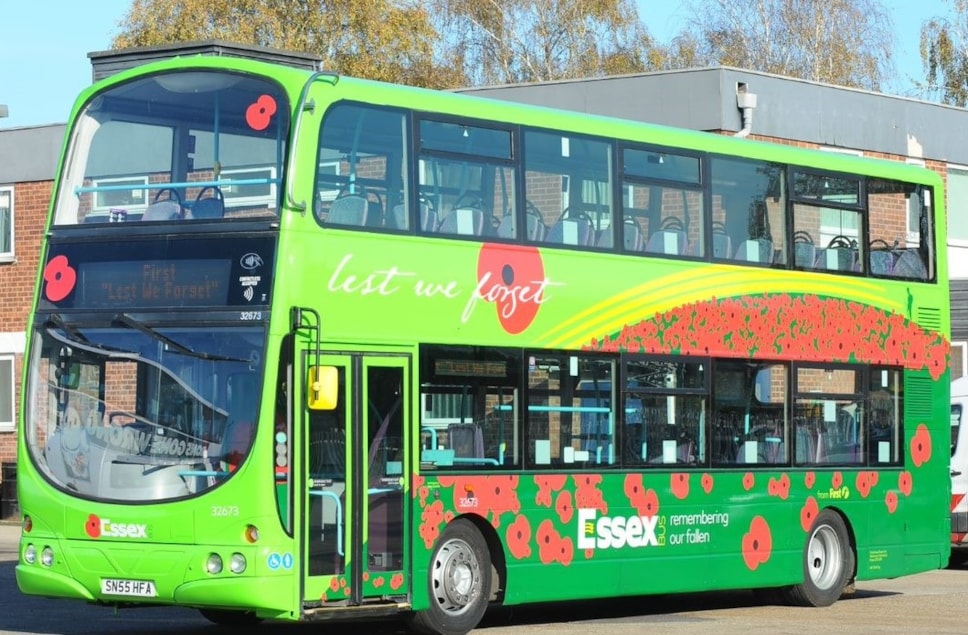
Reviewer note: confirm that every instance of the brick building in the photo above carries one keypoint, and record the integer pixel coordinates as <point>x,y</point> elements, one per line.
<point>720,100</point>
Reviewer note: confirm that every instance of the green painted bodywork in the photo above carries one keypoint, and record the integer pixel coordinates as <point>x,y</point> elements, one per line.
<point>688,530</point>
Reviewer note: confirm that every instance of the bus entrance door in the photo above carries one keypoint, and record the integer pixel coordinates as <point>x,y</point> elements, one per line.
<point>354,513</point>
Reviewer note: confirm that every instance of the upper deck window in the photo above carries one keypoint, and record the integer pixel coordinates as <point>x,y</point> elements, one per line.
<point>183,146</point>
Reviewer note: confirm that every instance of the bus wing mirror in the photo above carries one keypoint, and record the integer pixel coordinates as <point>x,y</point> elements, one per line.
<point>321,394</point>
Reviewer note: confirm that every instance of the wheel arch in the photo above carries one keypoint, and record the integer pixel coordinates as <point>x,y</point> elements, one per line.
<point>498,559</point>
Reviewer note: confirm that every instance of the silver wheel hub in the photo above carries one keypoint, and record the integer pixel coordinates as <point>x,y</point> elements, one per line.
<point>456,577</point>
<point>824,558</point>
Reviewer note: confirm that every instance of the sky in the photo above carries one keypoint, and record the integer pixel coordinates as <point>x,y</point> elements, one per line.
<point>45,43</point>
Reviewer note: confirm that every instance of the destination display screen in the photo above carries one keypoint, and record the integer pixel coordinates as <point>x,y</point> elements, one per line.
<point>164,273</point>
<point>154,283</point>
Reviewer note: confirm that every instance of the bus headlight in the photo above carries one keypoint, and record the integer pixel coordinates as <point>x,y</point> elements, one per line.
<point>47,556</point>
<point>237,563</point>
<point>30,554</point>
<point>214,564</point>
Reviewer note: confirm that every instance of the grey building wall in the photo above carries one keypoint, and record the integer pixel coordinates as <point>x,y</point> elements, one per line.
<point>30,153</point>
<point>705,99</point>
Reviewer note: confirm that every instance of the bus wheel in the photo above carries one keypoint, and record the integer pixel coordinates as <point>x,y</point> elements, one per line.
<point>224,617</point>
<point>460,581</point>
<point>828,563</point>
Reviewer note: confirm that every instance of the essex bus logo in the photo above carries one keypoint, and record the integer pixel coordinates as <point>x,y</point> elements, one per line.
<point>97,527</point>
<point>615,532</point>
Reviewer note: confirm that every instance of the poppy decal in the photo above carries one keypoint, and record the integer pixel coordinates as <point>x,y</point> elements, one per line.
<point>748,481</point>
<point>809,478</point>
<point>564,507</point>
<point>680,485</point>
<point>546,485</point>
<point>921,445</point>
<point>93,526</point>
<point>587,493</point>
<point>757,543</point>
<point>513,278</point>
<point>808,513</point>
<point>60,278</point>
<point>827,329</point>
<point>552,547</point>
<point>836,480</point>
<point>891,501</point>
<point>645,502</point>
<point>707,483</point>
<point>259,114</point>
<point>518,538</point>
<point>779,487</point>
<point>905,483</point>
<point>864,484</point>
<point>430,519</point>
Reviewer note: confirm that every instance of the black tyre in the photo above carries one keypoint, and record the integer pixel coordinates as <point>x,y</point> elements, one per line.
<point>459,582</point>
<point>224,617</point>
<point>828,563</point>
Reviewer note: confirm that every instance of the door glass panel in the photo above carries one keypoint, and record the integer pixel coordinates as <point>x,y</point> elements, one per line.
<point>327,486</point>
<point>385,408</point>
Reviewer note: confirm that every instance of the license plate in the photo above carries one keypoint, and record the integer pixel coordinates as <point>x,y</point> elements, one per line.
<point>136,588</point>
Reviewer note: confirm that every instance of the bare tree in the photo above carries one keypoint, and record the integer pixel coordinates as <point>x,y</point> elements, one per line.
<point>509,41</point>
<point>844,42</point>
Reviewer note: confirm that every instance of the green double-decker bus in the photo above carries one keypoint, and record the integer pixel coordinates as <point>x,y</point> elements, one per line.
<point>307,347</point>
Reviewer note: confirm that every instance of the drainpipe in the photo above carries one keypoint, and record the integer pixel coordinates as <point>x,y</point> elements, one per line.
<point>746,102</point>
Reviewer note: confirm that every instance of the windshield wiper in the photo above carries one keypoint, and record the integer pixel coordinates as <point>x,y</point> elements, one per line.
<point>130,322</point>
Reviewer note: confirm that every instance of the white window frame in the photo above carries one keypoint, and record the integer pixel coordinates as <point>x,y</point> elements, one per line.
<point>8,424</point>
<point>330,168</point>
<point>139,196</point>
<point>234,200</point>
<point>6,195</point>
<point>913,234</point>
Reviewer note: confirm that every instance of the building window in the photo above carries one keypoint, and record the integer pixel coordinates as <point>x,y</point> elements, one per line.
<point>957,201</point>
<point>959,360</point>
<point>6,392</point>
<point>248,187</point>
<point>128,193</point>
<point>6,224</point>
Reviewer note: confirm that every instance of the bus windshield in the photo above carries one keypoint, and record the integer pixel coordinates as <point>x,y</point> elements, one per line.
<point>136,412</point>
<point>190,145</point>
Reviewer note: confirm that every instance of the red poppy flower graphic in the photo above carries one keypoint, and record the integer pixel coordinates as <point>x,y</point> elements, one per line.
<point>808,479</point>
<point>518,537</point>
<point>748,481</point>
<point>757,543</point>
<point>259,114</point>
<point>905,483</point>
<point>93,526</point>
<point>836,480</point>
<point>921,445</point>
<point>564,507</point>
<point>707,483</point>
<point>891,501</point>
<point>513,278</point>
<point>808,513</point>
<point>60,277</point>
<point>680,485</point>
<point>864,484</point>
